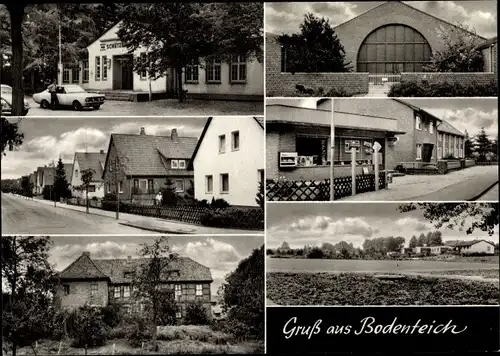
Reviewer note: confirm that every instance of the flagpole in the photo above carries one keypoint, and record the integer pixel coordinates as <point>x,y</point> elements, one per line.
<point>332,153</point>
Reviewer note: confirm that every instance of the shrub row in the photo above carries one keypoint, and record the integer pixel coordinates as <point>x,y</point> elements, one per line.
<point>424,89</point>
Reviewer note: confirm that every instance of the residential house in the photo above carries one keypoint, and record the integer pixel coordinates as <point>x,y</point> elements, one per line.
<point>298,139</point>
<point>438,250</point>
<point>101,282</point>
<point>44,177</point>
<point>472,247</point>
<point>406,250</point>
<point>110,67</point>
<point>141,164</point>
<point>489,50</point>
<point>82,162</point>
<point>422,250</point>
<point>33,181</point>
<point>228,161</point>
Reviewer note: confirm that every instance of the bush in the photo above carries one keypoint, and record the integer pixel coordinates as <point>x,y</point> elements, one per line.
<point>87,328</point>
<point>269,251</point>
<point>315,252</point>
<point>111,315</point>
<point>225,218</point>
<point>219,204</point>
<point>137,331</point>
<point>196,314</point>
<point>303,91</point>
<point>400,168</point>
<point>424,89</point>
<point>47,193</point>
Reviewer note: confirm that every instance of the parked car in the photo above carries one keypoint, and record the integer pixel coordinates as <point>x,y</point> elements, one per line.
<point>71,95</point>
<point>6,101</point>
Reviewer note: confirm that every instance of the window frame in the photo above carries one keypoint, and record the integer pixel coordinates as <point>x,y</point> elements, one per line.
<point>221,176</point>
<point>174,164</point>
<point>239,63</point>
<point>177,190</point>
<point>104,75</point>
<point>115,289</point>
<point>66,289</point>
<point>66,72</point>
<point>200,290</point>
<point>222,148</point>
<point>208,178</point>
<point>97,68</point>
<point>120,187</point>
<point>213,66</point>
<point>85,65</point>
<point>143,74</point>
<point>418,123</point>
<point>419,152</point>
<point>233,135</point>
<point>189,74</point>
<point>93,291</point>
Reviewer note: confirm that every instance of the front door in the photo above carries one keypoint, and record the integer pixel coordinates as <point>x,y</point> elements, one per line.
<point>427,152</point>
<point>127,74</point>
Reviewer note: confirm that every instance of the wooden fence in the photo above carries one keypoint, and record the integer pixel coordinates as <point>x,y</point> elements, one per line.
<point>320,190</point>
<point>231,217</point>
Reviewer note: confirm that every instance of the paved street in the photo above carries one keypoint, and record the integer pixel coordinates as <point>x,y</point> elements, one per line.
<point>490,195</point>
<point>165,107</point>
<point>462,185</point>
<point>21,216</point>
<point>15,207</point>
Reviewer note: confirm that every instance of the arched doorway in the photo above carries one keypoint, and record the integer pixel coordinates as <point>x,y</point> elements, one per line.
<point>393,49</point>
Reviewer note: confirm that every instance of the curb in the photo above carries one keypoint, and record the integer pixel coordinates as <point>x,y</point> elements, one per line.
<point>161,231</point>
<point>483,193</point>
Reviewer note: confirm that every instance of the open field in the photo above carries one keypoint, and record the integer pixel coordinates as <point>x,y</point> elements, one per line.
<point>484,273</point>
<point>171,340</point>
<point>365,289</point>
<point>387,266</point>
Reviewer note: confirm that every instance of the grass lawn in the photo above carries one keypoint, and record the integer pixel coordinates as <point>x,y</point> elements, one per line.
<point>364,289</point>
<point>485,273</point>
<point>171,340</point>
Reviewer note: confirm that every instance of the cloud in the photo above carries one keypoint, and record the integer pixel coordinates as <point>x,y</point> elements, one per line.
<point>412,224</point>
<point>472,120</point>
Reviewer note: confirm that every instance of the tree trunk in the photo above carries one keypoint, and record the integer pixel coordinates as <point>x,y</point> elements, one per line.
<point>150,90</point>
<point>16,11</point>
<point>14,349</point>
<point>87,198</point>
<point>179,80</point>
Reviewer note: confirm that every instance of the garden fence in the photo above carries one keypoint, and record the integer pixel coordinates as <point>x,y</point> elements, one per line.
<point>320,190</point>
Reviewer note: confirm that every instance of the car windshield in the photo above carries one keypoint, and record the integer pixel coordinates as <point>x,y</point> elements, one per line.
<point>6,90</point>
<point>73,89</point>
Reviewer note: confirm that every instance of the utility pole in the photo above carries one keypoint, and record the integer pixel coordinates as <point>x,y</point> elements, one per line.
<point>60,68</point>
<point>332,154</point>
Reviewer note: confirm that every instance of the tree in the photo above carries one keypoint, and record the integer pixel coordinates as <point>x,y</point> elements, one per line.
<point>260,198</point>
<point>481,216</point>
<point>86,176</point>
<point>154,272</point>
<point>243,297</point>
<point>315,49</point>
<point>196,314</point>
<point>11,137</point>
<point>422,240</point>
<point>61,185</point>
<point>460,53</point>
<point>436,238</point>
<point>26,186</point>
<point>494,146</point>
<point>413,242</point>
<point>30,282</point>
<point>467,145</point>
<point>176,34</point>
<point>285,246</point>
<point>169,193</point>
<point>482,144</point>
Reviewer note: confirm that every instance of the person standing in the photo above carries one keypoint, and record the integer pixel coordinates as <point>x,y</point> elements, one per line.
<point>158,198</point>
<point>53,94</point>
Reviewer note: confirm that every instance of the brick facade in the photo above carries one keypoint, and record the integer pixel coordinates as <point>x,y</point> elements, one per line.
<point>283,84</point>
<point>452,78</point>
<point>353,32</point>
<point>81,293</point>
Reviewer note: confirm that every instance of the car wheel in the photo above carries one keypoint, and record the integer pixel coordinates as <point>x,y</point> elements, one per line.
<point>77,105</point>
<point>96,107</point>
<point>45,104</point>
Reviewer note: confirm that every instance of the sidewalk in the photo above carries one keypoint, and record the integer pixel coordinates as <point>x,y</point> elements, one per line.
<point>464,185</point>
<point>154,224</point>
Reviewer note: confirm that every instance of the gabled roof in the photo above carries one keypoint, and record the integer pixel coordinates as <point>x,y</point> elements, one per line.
<point>68,169</point>
<point>416,108</point>
<point>487,43</point>
<point>140,154</point>
<point>259,120</point>
<point>84,267</point>
<point>105,32</point>
<point>461,243</point>
<point>445,126</point>
<point>91,160</point>
<point>413,8</point>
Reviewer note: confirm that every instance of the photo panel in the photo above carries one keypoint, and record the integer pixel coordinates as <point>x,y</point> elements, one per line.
<point>378,149</point>
<point>139,175</point>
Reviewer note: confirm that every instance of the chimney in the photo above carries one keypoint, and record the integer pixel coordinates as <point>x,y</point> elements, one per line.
<point>101,151</point>
<point>174,135</point>
<point>143,131</point>
<point>86,253</point>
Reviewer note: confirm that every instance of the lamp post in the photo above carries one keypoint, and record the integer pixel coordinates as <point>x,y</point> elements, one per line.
<point>332,153</point>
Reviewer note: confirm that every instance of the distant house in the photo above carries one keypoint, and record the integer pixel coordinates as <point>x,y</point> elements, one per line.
<point>470,247</point>
<point>33,181</point>
<point>82,162</point>
<point>141,164</point>
<point>44,177</point>
<point>406,250</point>
<point>228,161</point>
<point>438,250</point>
<point>422,250</point>
<point>101,282</point>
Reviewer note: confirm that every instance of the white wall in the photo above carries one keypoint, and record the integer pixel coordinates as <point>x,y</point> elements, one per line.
<point>254,83</point>
<point>480,247</point>
<point>95,50</point>
<point>241,165</point>
<point>77,181</point>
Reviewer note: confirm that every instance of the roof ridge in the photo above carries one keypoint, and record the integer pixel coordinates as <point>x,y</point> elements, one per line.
<point>165,136</point>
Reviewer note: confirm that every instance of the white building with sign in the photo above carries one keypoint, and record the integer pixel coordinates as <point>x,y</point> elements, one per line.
<point>110,68</point>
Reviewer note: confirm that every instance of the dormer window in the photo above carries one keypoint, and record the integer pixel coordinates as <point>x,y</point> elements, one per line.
<point>418,122</point>
<point>178,164</point>
<point>431,127</point>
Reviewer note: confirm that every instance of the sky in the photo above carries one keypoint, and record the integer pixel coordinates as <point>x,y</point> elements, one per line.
<point>469,114</point>
<point>312,224</point>
<point>220,254</point>
<point>286,17</point>
<point>47,139</point>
